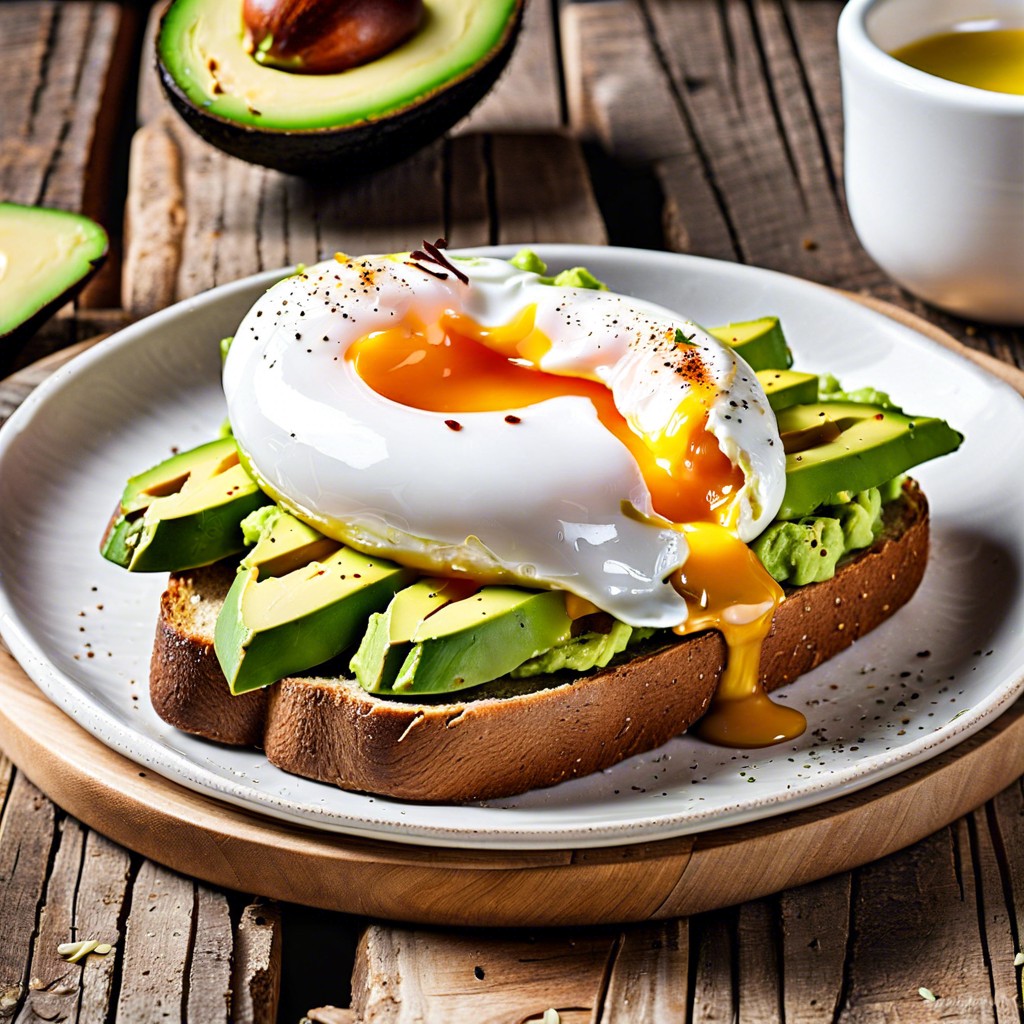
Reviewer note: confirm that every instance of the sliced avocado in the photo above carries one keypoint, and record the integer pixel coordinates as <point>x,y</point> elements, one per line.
<point>283,543</point>
<point>361,118</point>
<point>784,388</point>
<point>184,512</point>
<point>481,638</point>
<point>833,447</point>
<point>46,257</point>
<point>274,627</point>
<point>385,643</point>
<point>760,342</point>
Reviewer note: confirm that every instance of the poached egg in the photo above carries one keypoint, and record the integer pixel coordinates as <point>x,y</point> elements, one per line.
<point>475,421</point>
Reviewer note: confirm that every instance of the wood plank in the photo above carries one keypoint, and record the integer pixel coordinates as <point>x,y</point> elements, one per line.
<point>154,220</point>
<point>714,999</point>
<point>54,64</point>
<point>526,97</point>
<point>542,191</point>
<point>915,925</point>
<point>997,933</point>
<point>155,956</point>
<point>256,983</point>
<point>404,975</point>
<point>716,62</point>
<point>815,936</point>
<point>1006,824</point>
<point>209,972</point>
<point>649,976</point>
<point>619,94</point>
<point>102,889</point>
<point>758,959</point>
<point>27,838</point>
<point>51,98</point>
<point>469,220</point>
<point>53,983</point>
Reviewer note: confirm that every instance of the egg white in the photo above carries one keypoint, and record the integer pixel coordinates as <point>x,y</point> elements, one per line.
<point>543,502</point>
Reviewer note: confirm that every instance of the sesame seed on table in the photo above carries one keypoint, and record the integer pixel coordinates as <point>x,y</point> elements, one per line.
<point>710,127</point>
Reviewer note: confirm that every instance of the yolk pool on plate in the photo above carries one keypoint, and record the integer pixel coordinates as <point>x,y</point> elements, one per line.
<point>986,58</point>
<point>459,366</point>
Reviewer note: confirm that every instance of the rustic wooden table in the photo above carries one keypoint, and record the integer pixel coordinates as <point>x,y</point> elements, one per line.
<point>703,126</point>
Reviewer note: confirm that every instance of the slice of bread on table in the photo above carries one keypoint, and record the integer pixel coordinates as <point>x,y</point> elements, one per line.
<point>504,739</point>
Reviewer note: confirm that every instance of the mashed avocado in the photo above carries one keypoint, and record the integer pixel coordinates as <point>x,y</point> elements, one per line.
<point>830,390</point>
<point>807,550</point>
<point>582,653</point>
<point>257,525</point>
<point>574,277</point>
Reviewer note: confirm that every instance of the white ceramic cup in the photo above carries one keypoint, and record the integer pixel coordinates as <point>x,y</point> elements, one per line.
<point>934,169</point>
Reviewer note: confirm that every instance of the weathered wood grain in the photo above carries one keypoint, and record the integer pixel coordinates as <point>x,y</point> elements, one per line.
<point>542,192</point>
<point>405,975</point>
<point>649,975</point>
<point>757,962</point>
<point>27,839</point>
<point>99,902</point>
<point>527,96</point>
<point>997,933</point>
<point>53,985</point>
<point>714,991</point>
<point>619,94</point>
<point>815,923</point>
<point>54,60</point>
<point>154,220</point>
<point>155,956</point>
<point>209,972</point>
<point>256,979</point>
<point>915,925</point>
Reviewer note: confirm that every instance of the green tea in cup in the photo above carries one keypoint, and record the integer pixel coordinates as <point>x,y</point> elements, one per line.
<point>982,55</point>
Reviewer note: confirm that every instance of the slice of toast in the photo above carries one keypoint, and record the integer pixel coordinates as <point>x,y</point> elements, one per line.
<point>497,742</point>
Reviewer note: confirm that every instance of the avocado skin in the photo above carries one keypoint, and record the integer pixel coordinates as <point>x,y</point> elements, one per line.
<point>356,149</point>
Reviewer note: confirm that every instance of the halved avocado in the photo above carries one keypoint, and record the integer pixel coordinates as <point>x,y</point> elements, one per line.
<point>368,116</point>
<point>46,257</point>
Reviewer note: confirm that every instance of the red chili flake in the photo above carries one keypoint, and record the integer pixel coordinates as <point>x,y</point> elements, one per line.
<point>512,419</point>
<point>453,424</point>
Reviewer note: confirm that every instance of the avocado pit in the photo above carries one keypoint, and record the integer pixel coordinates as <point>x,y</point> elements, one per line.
<point>318,37</point>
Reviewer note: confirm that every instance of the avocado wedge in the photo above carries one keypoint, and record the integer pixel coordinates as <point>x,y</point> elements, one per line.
<point>760,342</point>
<point>478,639</point>
<point>836,447</point>
<point>274,627</point>
<point>359,119</point>
<point>46,258</point>
<point>184,512</point>
<point>784,388</point>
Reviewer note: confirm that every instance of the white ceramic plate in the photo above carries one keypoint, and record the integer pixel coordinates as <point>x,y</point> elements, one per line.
<point>943,667</point>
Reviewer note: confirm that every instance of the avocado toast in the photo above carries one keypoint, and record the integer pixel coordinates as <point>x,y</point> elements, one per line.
<point>313,610</point>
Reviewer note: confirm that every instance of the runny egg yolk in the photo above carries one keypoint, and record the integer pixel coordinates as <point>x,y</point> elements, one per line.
<point>460,366</point>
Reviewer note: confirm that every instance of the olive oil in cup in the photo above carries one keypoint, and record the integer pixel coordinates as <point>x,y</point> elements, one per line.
<point>934,168</point>
<point>981,55</point>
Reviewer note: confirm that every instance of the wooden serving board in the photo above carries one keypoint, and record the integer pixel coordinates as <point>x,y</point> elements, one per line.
<point>200,836</point>
<point>237,849</point>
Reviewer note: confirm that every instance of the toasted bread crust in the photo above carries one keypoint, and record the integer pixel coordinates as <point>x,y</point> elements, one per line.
<point>471,749</point>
